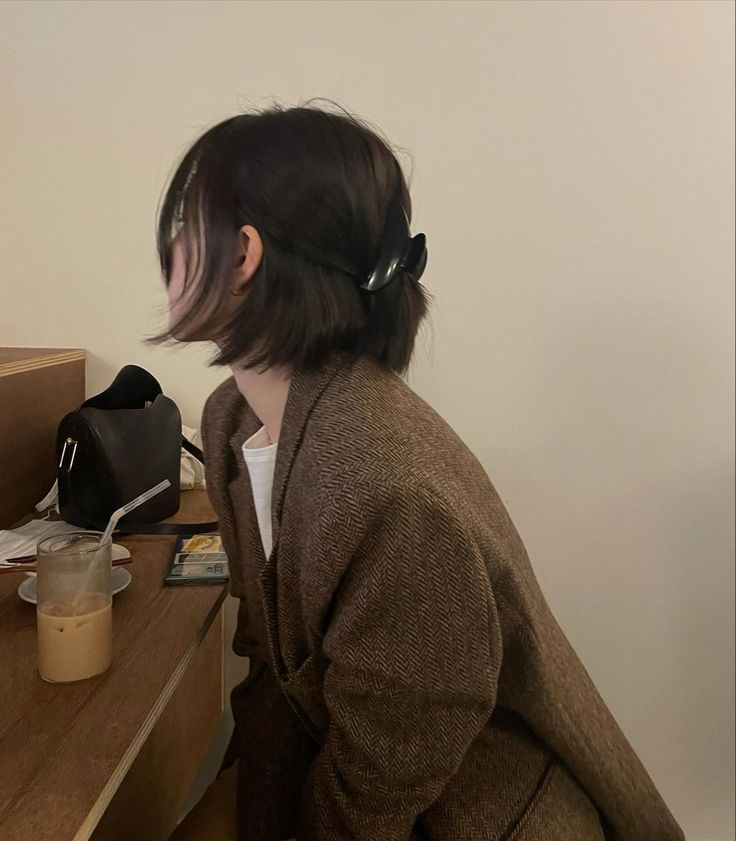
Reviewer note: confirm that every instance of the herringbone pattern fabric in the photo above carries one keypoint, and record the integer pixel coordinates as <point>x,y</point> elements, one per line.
<point>400,618</point>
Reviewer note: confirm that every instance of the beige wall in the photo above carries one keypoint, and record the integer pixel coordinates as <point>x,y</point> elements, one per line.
<point>573,169</point>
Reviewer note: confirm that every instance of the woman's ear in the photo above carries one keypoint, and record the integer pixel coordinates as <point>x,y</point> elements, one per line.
<point>249,253</point>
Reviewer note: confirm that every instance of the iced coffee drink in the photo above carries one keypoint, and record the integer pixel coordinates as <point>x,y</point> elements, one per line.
<point>74,611</point>
<point>74,640</point>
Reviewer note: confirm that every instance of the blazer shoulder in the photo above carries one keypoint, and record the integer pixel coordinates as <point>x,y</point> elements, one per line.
<point>372,423</point>
<point>372,442</point>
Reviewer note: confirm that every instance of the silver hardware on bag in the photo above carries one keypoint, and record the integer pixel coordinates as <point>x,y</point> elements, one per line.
<point>74,452</point>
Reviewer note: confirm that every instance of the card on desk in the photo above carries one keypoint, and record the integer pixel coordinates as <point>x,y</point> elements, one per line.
<point>198,559</point>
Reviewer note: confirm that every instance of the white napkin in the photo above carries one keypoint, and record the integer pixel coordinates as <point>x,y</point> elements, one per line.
<point>191,471</point>
<point>19,542</point>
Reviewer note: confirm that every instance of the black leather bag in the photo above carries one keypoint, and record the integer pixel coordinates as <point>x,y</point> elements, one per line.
<point>117,445</point>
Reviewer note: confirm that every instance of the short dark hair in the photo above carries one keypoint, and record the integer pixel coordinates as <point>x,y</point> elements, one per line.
<point>316,186</point>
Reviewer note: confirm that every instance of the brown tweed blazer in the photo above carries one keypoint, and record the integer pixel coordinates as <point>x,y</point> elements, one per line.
<point>408,680</point>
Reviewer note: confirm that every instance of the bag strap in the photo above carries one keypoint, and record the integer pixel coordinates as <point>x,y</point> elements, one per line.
<point>172,528</point>
<point>192,449</point>
<point>166,528</point>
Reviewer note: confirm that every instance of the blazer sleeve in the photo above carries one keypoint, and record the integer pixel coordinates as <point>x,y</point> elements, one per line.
<point>414,651</point>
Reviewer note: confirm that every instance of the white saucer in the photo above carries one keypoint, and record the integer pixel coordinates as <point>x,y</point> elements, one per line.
<point>119,553</point>
<point>120,580</point>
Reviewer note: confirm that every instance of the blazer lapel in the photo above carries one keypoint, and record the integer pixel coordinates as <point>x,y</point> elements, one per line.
<point>307,386</point>
<point>241,487</point>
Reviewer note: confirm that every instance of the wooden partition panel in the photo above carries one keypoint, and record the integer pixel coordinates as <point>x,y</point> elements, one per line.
<point>38,386</point>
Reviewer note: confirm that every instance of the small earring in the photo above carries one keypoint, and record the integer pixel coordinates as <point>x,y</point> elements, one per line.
<point>237,294</point>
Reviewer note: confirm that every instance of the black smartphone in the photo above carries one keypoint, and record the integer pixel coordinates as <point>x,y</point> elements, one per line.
<point>198,559</point>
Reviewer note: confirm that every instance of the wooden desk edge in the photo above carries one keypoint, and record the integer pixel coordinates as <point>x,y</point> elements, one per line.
<point>108,792</point>
<point>49,357</point>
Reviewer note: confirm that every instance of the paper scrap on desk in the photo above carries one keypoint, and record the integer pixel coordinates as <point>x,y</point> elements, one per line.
<point>51,498</point>
<point>20,542</point>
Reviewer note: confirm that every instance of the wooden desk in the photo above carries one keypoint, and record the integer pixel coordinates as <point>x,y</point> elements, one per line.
<point>113,757</point>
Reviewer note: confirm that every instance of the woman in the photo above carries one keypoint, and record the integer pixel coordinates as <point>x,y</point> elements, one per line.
<point>407,679</point>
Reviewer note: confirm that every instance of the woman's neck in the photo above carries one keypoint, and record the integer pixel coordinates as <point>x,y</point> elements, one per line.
<point>266,393</point>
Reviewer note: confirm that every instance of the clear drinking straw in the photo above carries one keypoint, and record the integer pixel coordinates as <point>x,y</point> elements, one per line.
<point>129,506</point>
<point>110,528</point>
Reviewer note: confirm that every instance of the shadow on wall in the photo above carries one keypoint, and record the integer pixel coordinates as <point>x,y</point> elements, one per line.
<point>100,373</point>
<point>657,405</point>
<point>701,552</point>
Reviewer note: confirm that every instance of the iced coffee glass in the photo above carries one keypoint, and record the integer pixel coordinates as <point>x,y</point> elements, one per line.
<point>74,610</point>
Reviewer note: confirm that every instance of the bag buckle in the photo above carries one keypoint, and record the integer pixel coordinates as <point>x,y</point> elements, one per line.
<point>74,452</point>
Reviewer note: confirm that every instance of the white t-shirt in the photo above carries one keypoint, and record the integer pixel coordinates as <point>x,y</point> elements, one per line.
<point>260,459</point>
